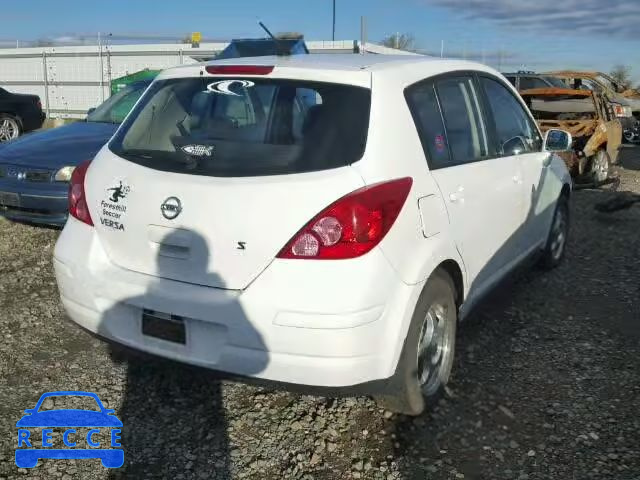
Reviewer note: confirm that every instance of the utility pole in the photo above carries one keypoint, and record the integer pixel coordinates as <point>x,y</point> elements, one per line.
<point>441,48</point>
<point>109,62</point>
<point>333,35</point>
<point>101,67</point>
<point>45,74</point>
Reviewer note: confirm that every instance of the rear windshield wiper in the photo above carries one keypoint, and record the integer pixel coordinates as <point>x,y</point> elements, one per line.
<point>144,154</point>
<point>179,157</point>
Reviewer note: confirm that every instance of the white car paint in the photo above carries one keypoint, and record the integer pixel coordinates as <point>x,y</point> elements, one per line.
<point>324,323</point>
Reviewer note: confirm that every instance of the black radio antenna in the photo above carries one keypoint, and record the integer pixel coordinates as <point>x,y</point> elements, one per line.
<point>279,47</point>
<point>264,27</point>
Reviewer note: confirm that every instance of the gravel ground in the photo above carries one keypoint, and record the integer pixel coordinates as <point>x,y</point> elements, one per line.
<point>546,382</point>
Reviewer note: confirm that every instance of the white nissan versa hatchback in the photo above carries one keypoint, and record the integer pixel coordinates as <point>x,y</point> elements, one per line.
<point>315,220</point>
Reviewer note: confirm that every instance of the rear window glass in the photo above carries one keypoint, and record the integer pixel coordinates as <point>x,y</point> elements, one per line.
<point>245,127</point>
<point>556,82</point>
<point>527,83</point>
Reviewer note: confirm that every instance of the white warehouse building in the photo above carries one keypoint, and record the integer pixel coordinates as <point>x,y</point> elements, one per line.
<point>71,79</point>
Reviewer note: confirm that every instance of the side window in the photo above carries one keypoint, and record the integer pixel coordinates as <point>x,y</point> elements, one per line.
<point>423,104</point>
<point>266,98</point>
<point>464,123</point>
<point>539,83</point>
<point>516,132</point>
<point>591,85</point>
<point>527,83</point>
<point>238,109</point>
<point>124,106</point>
<point>305,100</point>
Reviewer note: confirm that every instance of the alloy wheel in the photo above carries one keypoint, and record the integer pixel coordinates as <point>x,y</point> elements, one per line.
<point>559,234</point>
<point>600,167</point>
<point>9,129</point>
<point>435,349</point>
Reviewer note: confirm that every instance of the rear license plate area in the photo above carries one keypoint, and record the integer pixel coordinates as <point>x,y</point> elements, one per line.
<point>8,199</point>
<point>164,326</point>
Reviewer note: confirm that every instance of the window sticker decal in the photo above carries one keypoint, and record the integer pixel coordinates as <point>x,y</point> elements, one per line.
<point>224,86</point>
<point>114,205</point>
<point>198,150</point>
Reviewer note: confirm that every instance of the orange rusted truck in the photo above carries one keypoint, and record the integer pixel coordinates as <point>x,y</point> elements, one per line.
<point>624,101</point>
<point>588,116</point>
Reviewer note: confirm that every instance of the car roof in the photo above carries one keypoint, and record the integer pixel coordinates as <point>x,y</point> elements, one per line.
<point>356,69</point>
<point>335,61</point>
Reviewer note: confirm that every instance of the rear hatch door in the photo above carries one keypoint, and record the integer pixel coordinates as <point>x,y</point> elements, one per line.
<point>209,178</point>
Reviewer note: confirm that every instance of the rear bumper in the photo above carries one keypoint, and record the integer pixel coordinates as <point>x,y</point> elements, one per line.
<point>33,122</point>
<point>269,331</point>
<point>40,204</point>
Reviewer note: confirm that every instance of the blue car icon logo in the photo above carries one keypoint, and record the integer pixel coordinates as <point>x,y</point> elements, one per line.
<point>69,420</point>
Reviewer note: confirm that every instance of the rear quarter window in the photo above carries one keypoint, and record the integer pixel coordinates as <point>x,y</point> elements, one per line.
<point>423,104</point>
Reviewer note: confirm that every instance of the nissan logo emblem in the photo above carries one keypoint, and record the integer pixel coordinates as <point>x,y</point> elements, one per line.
<point>171,208</point>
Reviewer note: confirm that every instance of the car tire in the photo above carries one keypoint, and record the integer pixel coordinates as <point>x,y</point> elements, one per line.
<point>426,359</point>
<point>10,127</point>
<point>556,246</point>
<point>628,136</point>
<point>600,166</point>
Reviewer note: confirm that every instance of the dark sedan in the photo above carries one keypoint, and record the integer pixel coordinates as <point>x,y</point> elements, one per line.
<point>35,169</point>
<point>19,113</point>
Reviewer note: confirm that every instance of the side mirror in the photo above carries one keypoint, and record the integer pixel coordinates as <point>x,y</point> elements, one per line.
<point>91,110</point>
<point>557,141</point>
<point>514,146</point>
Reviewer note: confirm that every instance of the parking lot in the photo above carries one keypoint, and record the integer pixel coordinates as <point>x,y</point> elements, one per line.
<point>546,382</point>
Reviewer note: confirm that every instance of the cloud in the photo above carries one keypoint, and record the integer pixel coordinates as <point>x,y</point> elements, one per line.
<point>591,17</point>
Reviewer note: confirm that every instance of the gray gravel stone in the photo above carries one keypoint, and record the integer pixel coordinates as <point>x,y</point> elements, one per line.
<point>554,370</point>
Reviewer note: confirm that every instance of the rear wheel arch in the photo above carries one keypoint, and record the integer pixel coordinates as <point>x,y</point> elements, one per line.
<point>402,393</point>
<point>13,114</point>
<point>451,268</point>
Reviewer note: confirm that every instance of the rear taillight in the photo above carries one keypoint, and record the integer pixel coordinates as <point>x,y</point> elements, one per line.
<point>239,69</point>
<point>623,111</point>
<point>77,198</point>
<point>351,226</point>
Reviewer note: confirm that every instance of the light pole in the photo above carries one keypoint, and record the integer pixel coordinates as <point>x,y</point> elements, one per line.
<point>333,36</point>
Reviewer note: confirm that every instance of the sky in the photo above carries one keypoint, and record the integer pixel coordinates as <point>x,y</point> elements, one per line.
<point>511,34</point>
